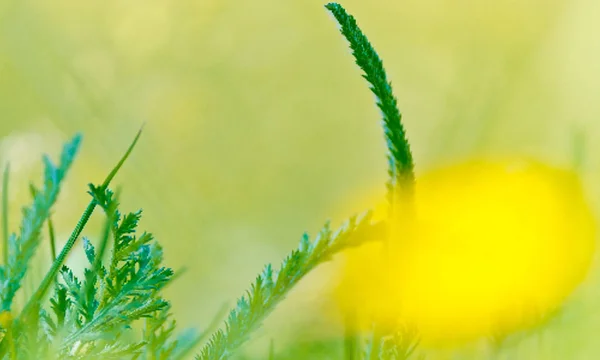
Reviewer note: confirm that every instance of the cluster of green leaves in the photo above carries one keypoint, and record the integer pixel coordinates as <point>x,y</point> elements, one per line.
<point>94,315</point>
<point>91,317</point>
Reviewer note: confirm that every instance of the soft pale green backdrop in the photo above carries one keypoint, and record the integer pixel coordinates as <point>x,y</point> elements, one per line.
<point>257,124</point>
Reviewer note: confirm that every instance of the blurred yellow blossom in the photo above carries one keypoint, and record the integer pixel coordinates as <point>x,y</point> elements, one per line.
<point>491,247</point>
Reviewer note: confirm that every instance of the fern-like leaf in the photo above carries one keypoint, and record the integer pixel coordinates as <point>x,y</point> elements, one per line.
<point>400,159</point>
<point>21,248</point>
<point>270,287</point>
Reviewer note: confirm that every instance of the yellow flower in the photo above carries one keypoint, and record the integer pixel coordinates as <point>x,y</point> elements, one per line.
<point>487,248</point>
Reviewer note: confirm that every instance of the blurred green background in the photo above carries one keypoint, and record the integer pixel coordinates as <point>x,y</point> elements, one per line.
<point>258,125</point>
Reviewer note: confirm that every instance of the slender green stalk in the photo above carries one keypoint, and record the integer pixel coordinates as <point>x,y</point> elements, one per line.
<point>52,237</point>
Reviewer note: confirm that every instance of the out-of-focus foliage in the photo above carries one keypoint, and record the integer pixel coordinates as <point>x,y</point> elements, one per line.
<point>257,130</point>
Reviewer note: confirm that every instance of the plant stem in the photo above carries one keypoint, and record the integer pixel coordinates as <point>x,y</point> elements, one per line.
<point>52,237</point>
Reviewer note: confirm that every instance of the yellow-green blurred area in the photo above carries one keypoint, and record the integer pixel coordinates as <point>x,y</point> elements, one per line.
<point>258,125</point>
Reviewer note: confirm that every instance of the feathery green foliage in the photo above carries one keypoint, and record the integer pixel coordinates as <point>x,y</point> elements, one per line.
<point>400,159</point>
<point>271,287</point>
<point>39,294</point>
<point>21,248</point>
<point>93,315</point>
